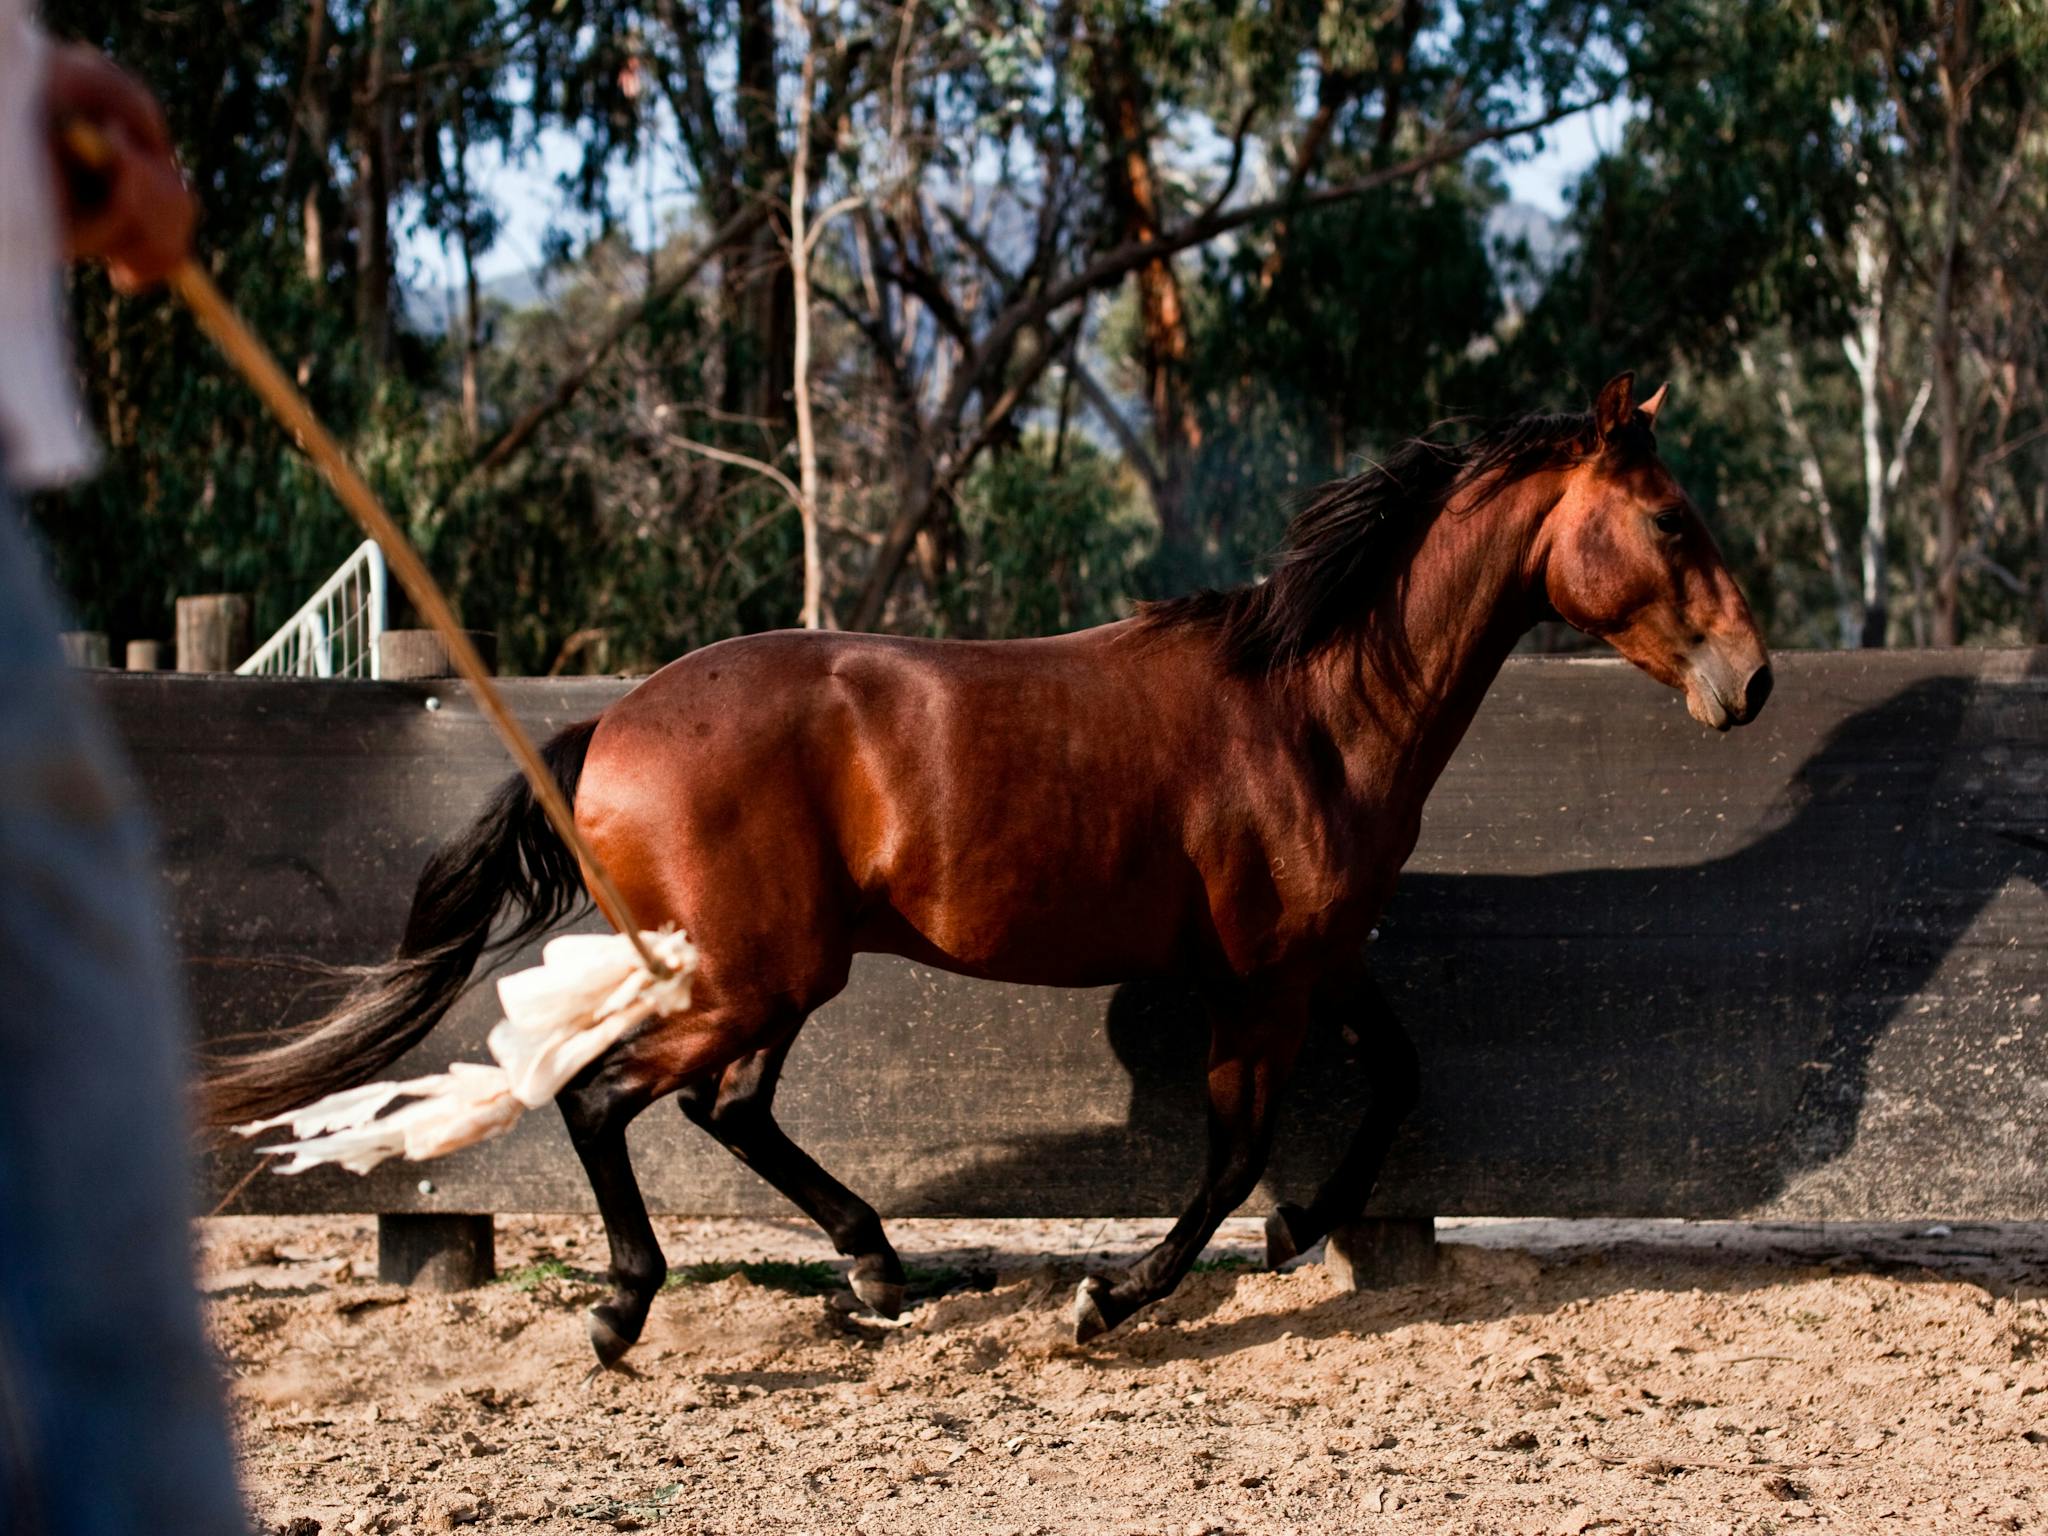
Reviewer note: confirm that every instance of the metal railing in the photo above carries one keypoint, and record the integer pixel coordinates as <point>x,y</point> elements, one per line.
<point>335,633</point>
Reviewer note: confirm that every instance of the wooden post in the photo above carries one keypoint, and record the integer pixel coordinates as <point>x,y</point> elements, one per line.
<point>436,1252</point>
<point>1377,1252</point>
<point>404,654</point>
<point>85,648</point>
<point>146,655</point>
<point>213,632</point>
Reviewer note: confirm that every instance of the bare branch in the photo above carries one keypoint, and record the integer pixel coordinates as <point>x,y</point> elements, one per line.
<point>1244,127</point>
<point>998,414</point>
<point>2010,446</point>
<point>746,461</point>
<point>1975,558</point>
<point>1896,473</point>
<point>845,204</point>
<point>1113,265</point>
<point>911,518</point>
<point>1127,437</point>
<point>520,433</point>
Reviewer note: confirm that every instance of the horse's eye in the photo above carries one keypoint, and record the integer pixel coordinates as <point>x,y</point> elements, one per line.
<point>1670,520</point>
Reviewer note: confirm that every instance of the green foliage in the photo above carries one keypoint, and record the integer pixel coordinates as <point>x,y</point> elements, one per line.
<point>531,1277</point>
<point>1341,351</point>
<point>991,145</point>
<point>811,1277</point>
<point>1051,547</point>
<point>199,490</point>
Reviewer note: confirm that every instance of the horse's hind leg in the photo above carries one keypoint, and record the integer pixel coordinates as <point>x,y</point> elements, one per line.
<point>1396,1077</point>
<point>1252,1048</point>
<point>598,1110</point>
<point>737,1108</point>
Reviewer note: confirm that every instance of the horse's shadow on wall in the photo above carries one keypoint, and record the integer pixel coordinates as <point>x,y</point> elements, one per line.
<point>1657,1041</point>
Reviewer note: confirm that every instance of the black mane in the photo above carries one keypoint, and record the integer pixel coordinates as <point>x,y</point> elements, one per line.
<point>1350,532</point>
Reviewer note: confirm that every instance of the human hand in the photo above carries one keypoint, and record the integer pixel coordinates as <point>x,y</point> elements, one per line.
<point>124,200</point>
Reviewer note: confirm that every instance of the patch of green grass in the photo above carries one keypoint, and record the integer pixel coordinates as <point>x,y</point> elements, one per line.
<point>1224,1264</point>
<point>810,1278</point>
<point>932,1279</point>
<point>533,1276</point>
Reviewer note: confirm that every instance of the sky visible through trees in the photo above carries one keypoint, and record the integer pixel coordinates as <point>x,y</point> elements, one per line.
<point>527,194</point>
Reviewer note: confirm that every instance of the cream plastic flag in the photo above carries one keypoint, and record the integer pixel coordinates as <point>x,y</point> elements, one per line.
<point>589,991</point>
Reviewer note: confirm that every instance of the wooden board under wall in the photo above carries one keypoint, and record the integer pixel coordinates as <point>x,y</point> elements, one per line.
<point>1796,971</point>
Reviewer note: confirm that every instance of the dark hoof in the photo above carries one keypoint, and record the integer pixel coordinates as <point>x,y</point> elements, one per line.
<point>1283,1243</point>
<point>1090,1320</point>
<point>871,1283</point>
<point>609,1334</point>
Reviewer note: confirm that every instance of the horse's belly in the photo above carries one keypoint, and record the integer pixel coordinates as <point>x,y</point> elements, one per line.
<point>1076,933</point>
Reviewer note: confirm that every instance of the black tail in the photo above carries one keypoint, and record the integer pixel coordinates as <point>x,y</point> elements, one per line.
<point>511,856</point>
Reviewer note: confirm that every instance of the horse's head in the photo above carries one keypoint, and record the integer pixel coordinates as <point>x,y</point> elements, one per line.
<point>1627,557</point>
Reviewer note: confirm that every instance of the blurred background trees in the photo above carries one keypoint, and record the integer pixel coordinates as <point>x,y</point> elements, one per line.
<point>987,317</point>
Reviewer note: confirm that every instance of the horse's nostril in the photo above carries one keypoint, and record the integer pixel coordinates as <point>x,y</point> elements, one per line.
<point>1756,691</point>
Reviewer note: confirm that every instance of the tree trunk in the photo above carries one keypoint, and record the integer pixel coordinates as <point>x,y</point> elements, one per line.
<point>760,319</point>
<point>2041,534</point>
<point>312,92</point>
<point>1335,89</point>
<point>472,307</point>
<point>373,155</point>
<point>811,614</point>
<point>1121,103</point>
<point>1868,350</point>
<point>1394,78</point>
<point>1955,59</point>
<point>472,350</point>
<point>1866,354</point>
<point>1814,479</point>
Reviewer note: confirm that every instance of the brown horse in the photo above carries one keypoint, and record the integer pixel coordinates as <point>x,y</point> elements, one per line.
<point>1223,788</point>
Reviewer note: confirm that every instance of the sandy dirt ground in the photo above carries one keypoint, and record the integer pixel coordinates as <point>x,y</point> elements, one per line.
<point>1555,1377</point>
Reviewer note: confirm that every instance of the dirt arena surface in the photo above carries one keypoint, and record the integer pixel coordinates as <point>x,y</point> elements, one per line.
<point>1557,1377</point>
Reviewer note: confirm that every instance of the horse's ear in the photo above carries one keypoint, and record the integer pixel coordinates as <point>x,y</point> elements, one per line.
<point>1616,404</point>
<point>1650,407</point>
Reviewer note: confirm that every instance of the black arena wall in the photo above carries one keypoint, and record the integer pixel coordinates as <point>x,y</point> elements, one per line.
<point>1796,971</point>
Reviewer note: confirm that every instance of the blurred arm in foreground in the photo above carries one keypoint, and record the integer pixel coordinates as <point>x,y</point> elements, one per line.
<point>111,1420</point>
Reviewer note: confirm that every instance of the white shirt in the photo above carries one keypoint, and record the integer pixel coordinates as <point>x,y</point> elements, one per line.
<point>42,438</point>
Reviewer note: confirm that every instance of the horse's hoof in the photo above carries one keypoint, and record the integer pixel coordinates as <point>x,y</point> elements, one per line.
<point>1089,1321</point>
<point>875,1289</point>
<point>1282,1248</point>
<point>608,1335</point>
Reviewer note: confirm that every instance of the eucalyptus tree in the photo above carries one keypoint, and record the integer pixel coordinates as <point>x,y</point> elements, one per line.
<point>1829,203</point>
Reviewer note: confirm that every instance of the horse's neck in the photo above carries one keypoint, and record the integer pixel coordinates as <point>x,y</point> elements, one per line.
<point>1439,636</point>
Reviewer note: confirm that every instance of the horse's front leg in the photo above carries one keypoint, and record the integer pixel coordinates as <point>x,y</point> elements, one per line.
<point>737,1108</point>
<point>1254,1040</point>
<point>1395,1074</point>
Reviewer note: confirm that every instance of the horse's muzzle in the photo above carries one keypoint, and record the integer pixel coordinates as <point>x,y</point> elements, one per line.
<point>1755,693</point>
<point>1720,697</point>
